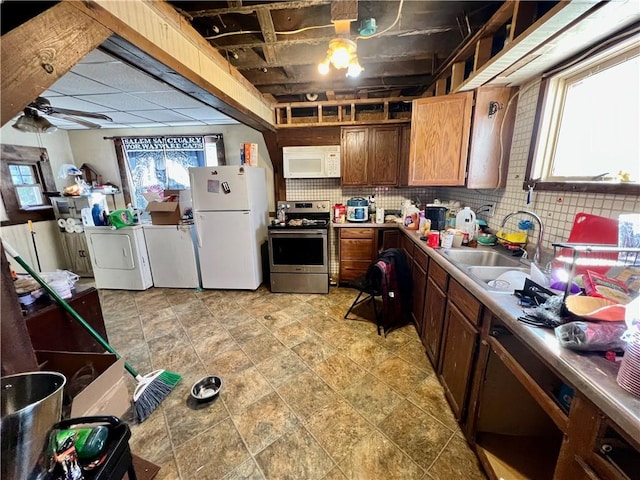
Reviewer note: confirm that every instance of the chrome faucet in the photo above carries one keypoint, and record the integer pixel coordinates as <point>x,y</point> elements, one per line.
<point>536,255</point>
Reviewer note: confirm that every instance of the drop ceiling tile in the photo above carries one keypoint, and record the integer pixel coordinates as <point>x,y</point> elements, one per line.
<point>147,125</point>
<point>202,113</point>
<point>73,84</point>
<point>51,93</point>
<point>161,115</point>
<point>122,101</point>
<point>222,121</point>
<point>76,103</point>
<point>186,123</point>
<point>120,76</point>
<point>174,99</point>
<point>97,56</point>
<point>126,118</point>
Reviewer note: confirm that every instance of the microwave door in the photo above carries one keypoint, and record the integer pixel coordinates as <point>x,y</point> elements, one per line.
<point>306,166</point>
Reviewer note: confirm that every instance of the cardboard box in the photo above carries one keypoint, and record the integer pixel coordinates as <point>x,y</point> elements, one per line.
<point>167,212</point>
<point>107,394</point>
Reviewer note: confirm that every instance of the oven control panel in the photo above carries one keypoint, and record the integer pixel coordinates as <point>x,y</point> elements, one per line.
<point>307,206</point>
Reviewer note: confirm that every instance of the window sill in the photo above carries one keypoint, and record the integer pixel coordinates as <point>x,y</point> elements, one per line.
<point>586,187</point>
<point>36,207</point>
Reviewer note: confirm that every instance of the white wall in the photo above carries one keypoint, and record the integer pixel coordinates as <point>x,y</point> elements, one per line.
<point>46,233</point>
<point>89,146</point>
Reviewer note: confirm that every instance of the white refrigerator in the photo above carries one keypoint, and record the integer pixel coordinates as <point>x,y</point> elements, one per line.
<point>230,211</point>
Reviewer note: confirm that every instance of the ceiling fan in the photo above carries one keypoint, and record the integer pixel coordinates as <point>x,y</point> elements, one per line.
<point>32,121</point>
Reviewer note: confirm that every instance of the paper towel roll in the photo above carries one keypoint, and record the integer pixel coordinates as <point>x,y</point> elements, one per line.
<point>71,221</point>
<point>78,228</point>
<point>69,229</point>
<point>62,222</point>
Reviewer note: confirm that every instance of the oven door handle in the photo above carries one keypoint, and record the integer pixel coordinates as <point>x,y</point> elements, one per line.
<point>296,232</point>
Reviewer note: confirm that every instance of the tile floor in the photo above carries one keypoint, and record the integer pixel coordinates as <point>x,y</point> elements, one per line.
<point>306,394</point>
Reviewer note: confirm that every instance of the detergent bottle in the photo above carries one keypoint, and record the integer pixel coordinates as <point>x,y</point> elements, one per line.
<point>466,222</point>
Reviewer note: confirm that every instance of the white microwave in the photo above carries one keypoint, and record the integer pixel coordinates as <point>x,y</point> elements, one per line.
<point>311,162</point>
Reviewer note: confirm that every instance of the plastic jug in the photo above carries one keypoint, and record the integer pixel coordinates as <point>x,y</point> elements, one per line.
<point>466,222</point>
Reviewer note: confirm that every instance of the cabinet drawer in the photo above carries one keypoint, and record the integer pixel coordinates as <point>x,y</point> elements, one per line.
<point>352,269</point>
<point>356,233</point>
<point>354,249</point>
<point>407,245</point>
<point>466,303</point>
<point>438,275</point>
<point>420,257</point>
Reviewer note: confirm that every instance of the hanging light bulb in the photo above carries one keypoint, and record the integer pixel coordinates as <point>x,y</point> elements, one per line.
<point>354,68</point>
<point>323,67</point>
<point>341,54</point>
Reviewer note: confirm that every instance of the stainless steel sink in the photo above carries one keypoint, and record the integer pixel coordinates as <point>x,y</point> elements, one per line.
<point>487,277</point>
<point>483,258</point>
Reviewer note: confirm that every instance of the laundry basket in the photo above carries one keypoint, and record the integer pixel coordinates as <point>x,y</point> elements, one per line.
<point>629,373</point>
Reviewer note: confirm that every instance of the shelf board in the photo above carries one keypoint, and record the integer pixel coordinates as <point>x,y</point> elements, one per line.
<point>518,457</point>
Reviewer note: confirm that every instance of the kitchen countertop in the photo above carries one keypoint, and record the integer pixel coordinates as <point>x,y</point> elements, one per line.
<point>589,373</point>
<point>367,225</point>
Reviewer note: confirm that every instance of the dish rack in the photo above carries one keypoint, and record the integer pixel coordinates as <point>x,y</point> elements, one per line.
<point>577,258</point>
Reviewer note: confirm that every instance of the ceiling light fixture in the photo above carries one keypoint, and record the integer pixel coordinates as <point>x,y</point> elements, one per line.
<point>342,53</point>
<point>31,122</point>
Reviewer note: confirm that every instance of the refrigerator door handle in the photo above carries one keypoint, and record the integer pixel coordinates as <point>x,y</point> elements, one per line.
<point>197,229</point>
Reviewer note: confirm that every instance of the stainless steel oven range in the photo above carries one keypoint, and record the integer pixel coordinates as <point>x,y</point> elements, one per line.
<point>299,248</point>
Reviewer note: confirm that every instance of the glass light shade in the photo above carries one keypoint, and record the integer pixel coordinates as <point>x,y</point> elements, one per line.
<point>354,68</point>
<point>34,124</point>
<point>341,57</point>
<point>323,67</point>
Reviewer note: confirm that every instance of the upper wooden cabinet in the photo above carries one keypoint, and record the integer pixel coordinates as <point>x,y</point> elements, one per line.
<point>370,155</point>
<point>454,142</point>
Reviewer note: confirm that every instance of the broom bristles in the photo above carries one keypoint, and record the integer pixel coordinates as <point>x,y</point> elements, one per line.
<point>153,393</point>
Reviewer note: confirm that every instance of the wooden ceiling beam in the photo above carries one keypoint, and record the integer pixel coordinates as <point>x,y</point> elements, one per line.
<point>214,12</point>
<point>373,84</point>
<point>234,3</point>
<point>269,34</point>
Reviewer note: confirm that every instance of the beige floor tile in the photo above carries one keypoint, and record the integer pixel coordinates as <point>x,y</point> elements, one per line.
<point>417,433</point>
<point>212,454</point>
<point>306,393</point>
<point>339,371</point>
<point>296,455</point>
<point>281,367</point>
<point>372,398</point>
<point>244,388</point>
<point>338,437</point>
<point>457,461</point>
<point>377,457</point>
<point>399,375</point>
<point>263,422</point>
<point>305,389</point>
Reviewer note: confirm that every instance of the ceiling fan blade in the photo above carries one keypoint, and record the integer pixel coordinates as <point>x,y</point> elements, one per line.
<point>79,113</point>
<point>80,121</point>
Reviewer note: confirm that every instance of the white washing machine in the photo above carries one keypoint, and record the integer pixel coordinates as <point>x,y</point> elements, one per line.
<point>119,258</point>
<point>172,255</point>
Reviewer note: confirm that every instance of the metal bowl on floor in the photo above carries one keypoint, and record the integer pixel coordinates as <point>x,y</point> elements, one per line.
<point>207,388</point>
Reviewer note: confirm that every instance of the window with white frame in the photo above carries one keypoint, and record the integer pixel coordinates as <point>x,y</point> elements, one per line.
<point>589,124</point>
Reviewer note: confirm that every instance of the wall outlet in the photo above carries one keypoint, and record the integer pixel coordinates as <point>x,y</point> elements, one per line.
<point>487,210</point>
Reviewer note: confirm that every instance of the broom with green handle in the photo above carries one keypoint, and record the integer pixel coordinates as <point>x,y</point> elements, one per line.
<point>152,388</point>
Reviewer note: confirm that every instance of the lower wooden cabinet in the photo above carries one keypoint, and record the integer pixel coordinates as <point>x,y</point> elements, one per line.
<point>458,352</point>
<point>357,249</point>
<point>419,277</point>
<point>76,253</point>
<point>433,320</point>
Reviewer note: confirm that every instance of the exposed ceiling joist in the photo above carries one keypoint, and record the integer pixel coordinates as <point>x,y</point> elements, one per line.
<point>252,8</point>
<point>269,34</point>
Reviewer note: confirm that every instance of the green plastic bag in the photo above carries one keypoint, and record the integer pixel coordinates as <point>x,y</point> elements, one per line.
<point>121,218</point>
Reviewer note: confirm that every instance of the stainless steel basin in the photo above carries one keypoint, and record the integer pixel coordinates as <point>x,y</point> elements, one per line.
<point>484,258</point>
<point>498,279</point>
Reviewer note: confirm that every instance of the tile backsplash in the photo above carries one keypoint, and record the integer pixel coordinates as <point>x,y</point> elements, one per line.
<point>556,209</point>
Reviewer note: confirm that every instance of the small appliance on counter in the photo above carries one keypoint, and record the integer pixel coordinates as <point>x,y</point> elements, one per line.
<point>438,216</point>
<point>357,209</point>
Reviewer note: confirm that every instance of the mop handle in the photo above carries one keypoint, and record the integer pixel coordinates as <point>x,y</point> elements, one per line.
<point>76,316</point>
